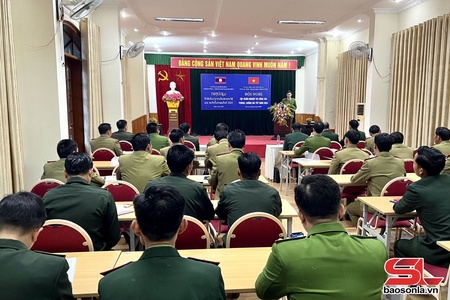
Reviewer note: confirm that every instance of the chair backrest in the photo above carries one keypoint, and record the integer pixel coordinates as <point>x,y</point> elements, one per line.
<point>43,186</point>
<point>121,190</point>
<point>335,145</point>
<point>352,166</point>
<point>396,186</point>
<point>361,144</point>
<point>103,154</point>
<point>415,152</point>
<point>60,235</point>
<point>194,237</point>
<point>126,146</point>
<point>367,151</point>
<point>115,170</point>
<point>189,144</point>
<point>409,165</point>
<point>256,229</point>
<point>155,152</point>
<point>298,145</point>
<point>324,153</point>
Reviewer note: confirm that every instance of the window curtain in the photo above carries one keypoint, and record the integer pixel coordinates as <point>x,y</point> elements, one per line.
<point>11,153</point>
<point>420,84</point>
<point>351,89</point>
<point>92,81</point>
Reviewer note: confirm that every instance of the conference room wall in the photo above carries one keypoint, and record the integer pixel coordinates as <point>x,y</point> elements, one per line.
<point>308,86</point>
<point>425,11</point>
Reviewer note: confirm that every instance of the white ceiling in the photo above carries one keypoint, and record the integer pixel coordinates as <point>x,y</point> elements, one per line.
<point>237,22</point>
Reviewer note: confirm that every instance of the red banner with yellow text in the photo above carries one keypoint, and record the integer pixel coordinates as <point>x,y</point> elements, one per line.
<point>233,64</point>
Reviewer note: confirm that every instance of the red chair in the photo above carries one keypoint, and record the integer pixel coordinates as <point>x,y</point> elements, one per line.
<point>324,153</point>
<point>126,146</point>
<point>189,144</point>
<point>335,145</point>
<point>60,235</point>
<point>298,145</point>
<point>115,171</point>
<point>367,151</point>
<point>155,152</point>
<point>415,152</point>
<point>255,230</point>
<point>409,165</point>
<point>121,190</point>
<point>194,237</point>
<point>43,186</point>
<point>352,192</point>
<point>294,166</point>
<point>396,187</point>
<point>103,154</point>
<point>361,144</point>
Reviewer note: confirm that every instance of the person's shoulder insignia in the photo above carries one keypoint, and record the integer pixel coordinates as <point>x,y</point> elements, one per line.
<point>290,239</point>
<point>364,237</point>
<point>115,269</point>
<point>204,260</point>
<point>370,158</point>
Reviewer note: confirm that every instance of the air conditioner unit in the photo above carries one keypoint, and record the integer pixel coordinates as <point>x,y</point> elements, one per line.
<point>360,116</point>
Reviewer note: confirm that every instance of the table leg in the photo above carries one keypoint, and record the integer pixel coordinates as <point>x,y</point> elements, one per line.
<point>288,175</point>
<point>282,172</point>
<point>389,225</point>
<point>365,219</point>
<point>132,240</point>
<point>289,227</point>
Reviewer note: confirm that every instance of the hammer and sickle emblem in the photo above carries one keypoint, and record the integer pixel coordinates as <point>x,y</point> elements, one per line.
<point>163,76</point>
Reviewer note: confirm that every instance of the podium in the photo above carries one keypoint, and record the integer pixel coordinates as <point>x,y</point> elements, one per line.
<point>173,114</point>
<point>281,130</point>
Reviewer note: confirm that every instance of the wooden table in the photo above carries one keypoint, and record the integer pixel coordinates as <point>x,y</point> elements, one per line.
<point>204,179</point>
<point>87,270</point>
<point>200,153</point>
<point>344,179</point>
<point>104,165</point>
<point>382,206</point>
<point>240,266</point>
<point>444,244</point>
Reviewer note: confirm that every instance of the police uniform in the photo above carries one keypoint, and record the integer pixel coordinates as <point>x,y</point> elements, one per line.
<point>293,138</point>
<point>426,197</point>
<point>402,151</point>
<point>362,135</point>
<point>158,141</point>
<point>313,143</point>
<point>140,167</point>
<point>193,140</point>
<point>161,273</point>
<point>55,170</point>
<point>446,169</point>
<point>198,204</point>
<point>212,151</point>
<point>444,147</point>
<point>331,135</point>
<point>90,207</point>
<point>122,135</point>
<point>370,144</point>
<point>104,141</point>
<point>327,264</point>
<point>31,275</point>
<point>225,170</point>
<point>212,141</point>
<point>342,156</point>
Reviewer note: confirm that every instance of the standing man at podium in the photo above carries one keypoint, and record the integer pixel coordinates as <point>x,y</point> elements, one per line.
<point>289,101</point>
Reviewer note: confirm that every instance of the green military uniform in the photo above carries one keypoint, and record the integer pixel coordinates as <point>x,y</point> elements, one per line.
<point>55,170</point>
<point>444,147</point>
<point>370,144</point>
<point>140,167</point>
<point>327,264</point>
<point>158,141</point>
<point>342,156</point>
<point>426,197</point>
<point>402,151</point>
<point>247,196</point>
<point>331,135</point>
<point>193,140</point>
<point>165,150</point>
<point>161,273</point>
<point>198,204</point>
<point>225,170</point>
<point>446,169</point>
<point>362,135</point>
<point>313,143</point>
<point>31,275</point>
<point>212,141</point>
<point>122,135</point>
<point>104,141</point>
<point>293,138</point>
<point>291,101</point>
<point>90,207</point>
<point>212,151</point>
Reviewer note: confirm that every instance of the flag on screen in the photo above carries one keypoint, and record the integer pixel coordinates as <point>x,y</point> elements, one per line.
<point>221,80</point>
<point>253,80</point>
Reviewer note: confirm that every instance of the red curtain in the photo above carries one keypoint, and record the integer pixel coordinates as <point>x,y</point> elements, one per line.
<point>164,75</point>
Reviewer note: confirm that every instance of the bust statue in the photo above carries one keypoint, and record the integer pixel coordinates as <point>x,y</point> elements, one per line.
<point>172,90</point>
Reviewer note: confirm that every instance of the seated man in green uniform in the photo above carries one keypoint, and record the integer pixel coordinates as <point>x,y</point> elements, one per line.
<point>248,194</point>
<point>90,207</point>
<point>293,138</point>
<point>446,169</point>
<point>370,142</point>
<point>122,133</point>
<point>158,141</point>
<point>350,152</point>
<point>55,169</point>
<point>27,274</point>
<point>225,169</point>
<point>180,160</point>
<point>161,273</point>
<point>220,147</point>
<point>213,140</point>
<point>426,197</point>
<point>376,172</point>
<point>328,263</point>
<point>139,167</point>
<point>176,136</point>
<point>105,140</point>
<point>188,137</point>
<point>328,134</point>
<point>398,149</point>
<point>442,140</point>
<point>315,142</point>
<point>354,124</point>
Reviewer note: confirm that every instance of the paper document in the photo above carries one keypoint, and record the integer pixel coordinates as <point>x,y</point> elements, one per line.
<point>124,209</point>
<point>71,272</point>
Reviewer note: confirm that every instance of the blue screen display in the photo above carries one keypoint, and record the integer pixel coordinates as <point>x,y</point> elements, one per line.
<point>235,91</point>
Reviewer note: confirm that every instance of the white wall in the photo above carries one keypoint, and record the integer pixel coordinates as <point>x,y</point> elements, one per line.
<point>310,84</point>
<point>362,35</point>
<point>428,10</point>
<point>151,88</point>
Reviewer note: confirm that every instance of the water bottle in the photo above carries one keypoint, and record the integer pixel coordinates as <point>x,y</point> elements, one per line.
<point>278,139</point>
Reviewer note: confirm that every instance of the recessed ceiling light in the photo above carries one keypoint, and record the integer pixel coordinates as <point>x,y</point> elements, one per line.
<point>249,51</point>
<point>256,43</point>
<point>156,46</point>
<point>360,20</point>
<point>179,19</point>
<point>255,36</point>
<point>165,33</point>
<point>205,42</point>
<point>292,52</point>
<point>204,51</point>
<point>213,34</point>
<point>123,14</point>
<point>159,50</point>
<point>301,22</point>
<point>204,46</point>
<point>253,48</point>
<point>136,30</point>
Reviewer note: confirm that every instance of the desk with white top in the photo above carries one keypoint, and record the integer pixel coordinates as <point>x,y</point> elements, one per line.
<point>270,161</point>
